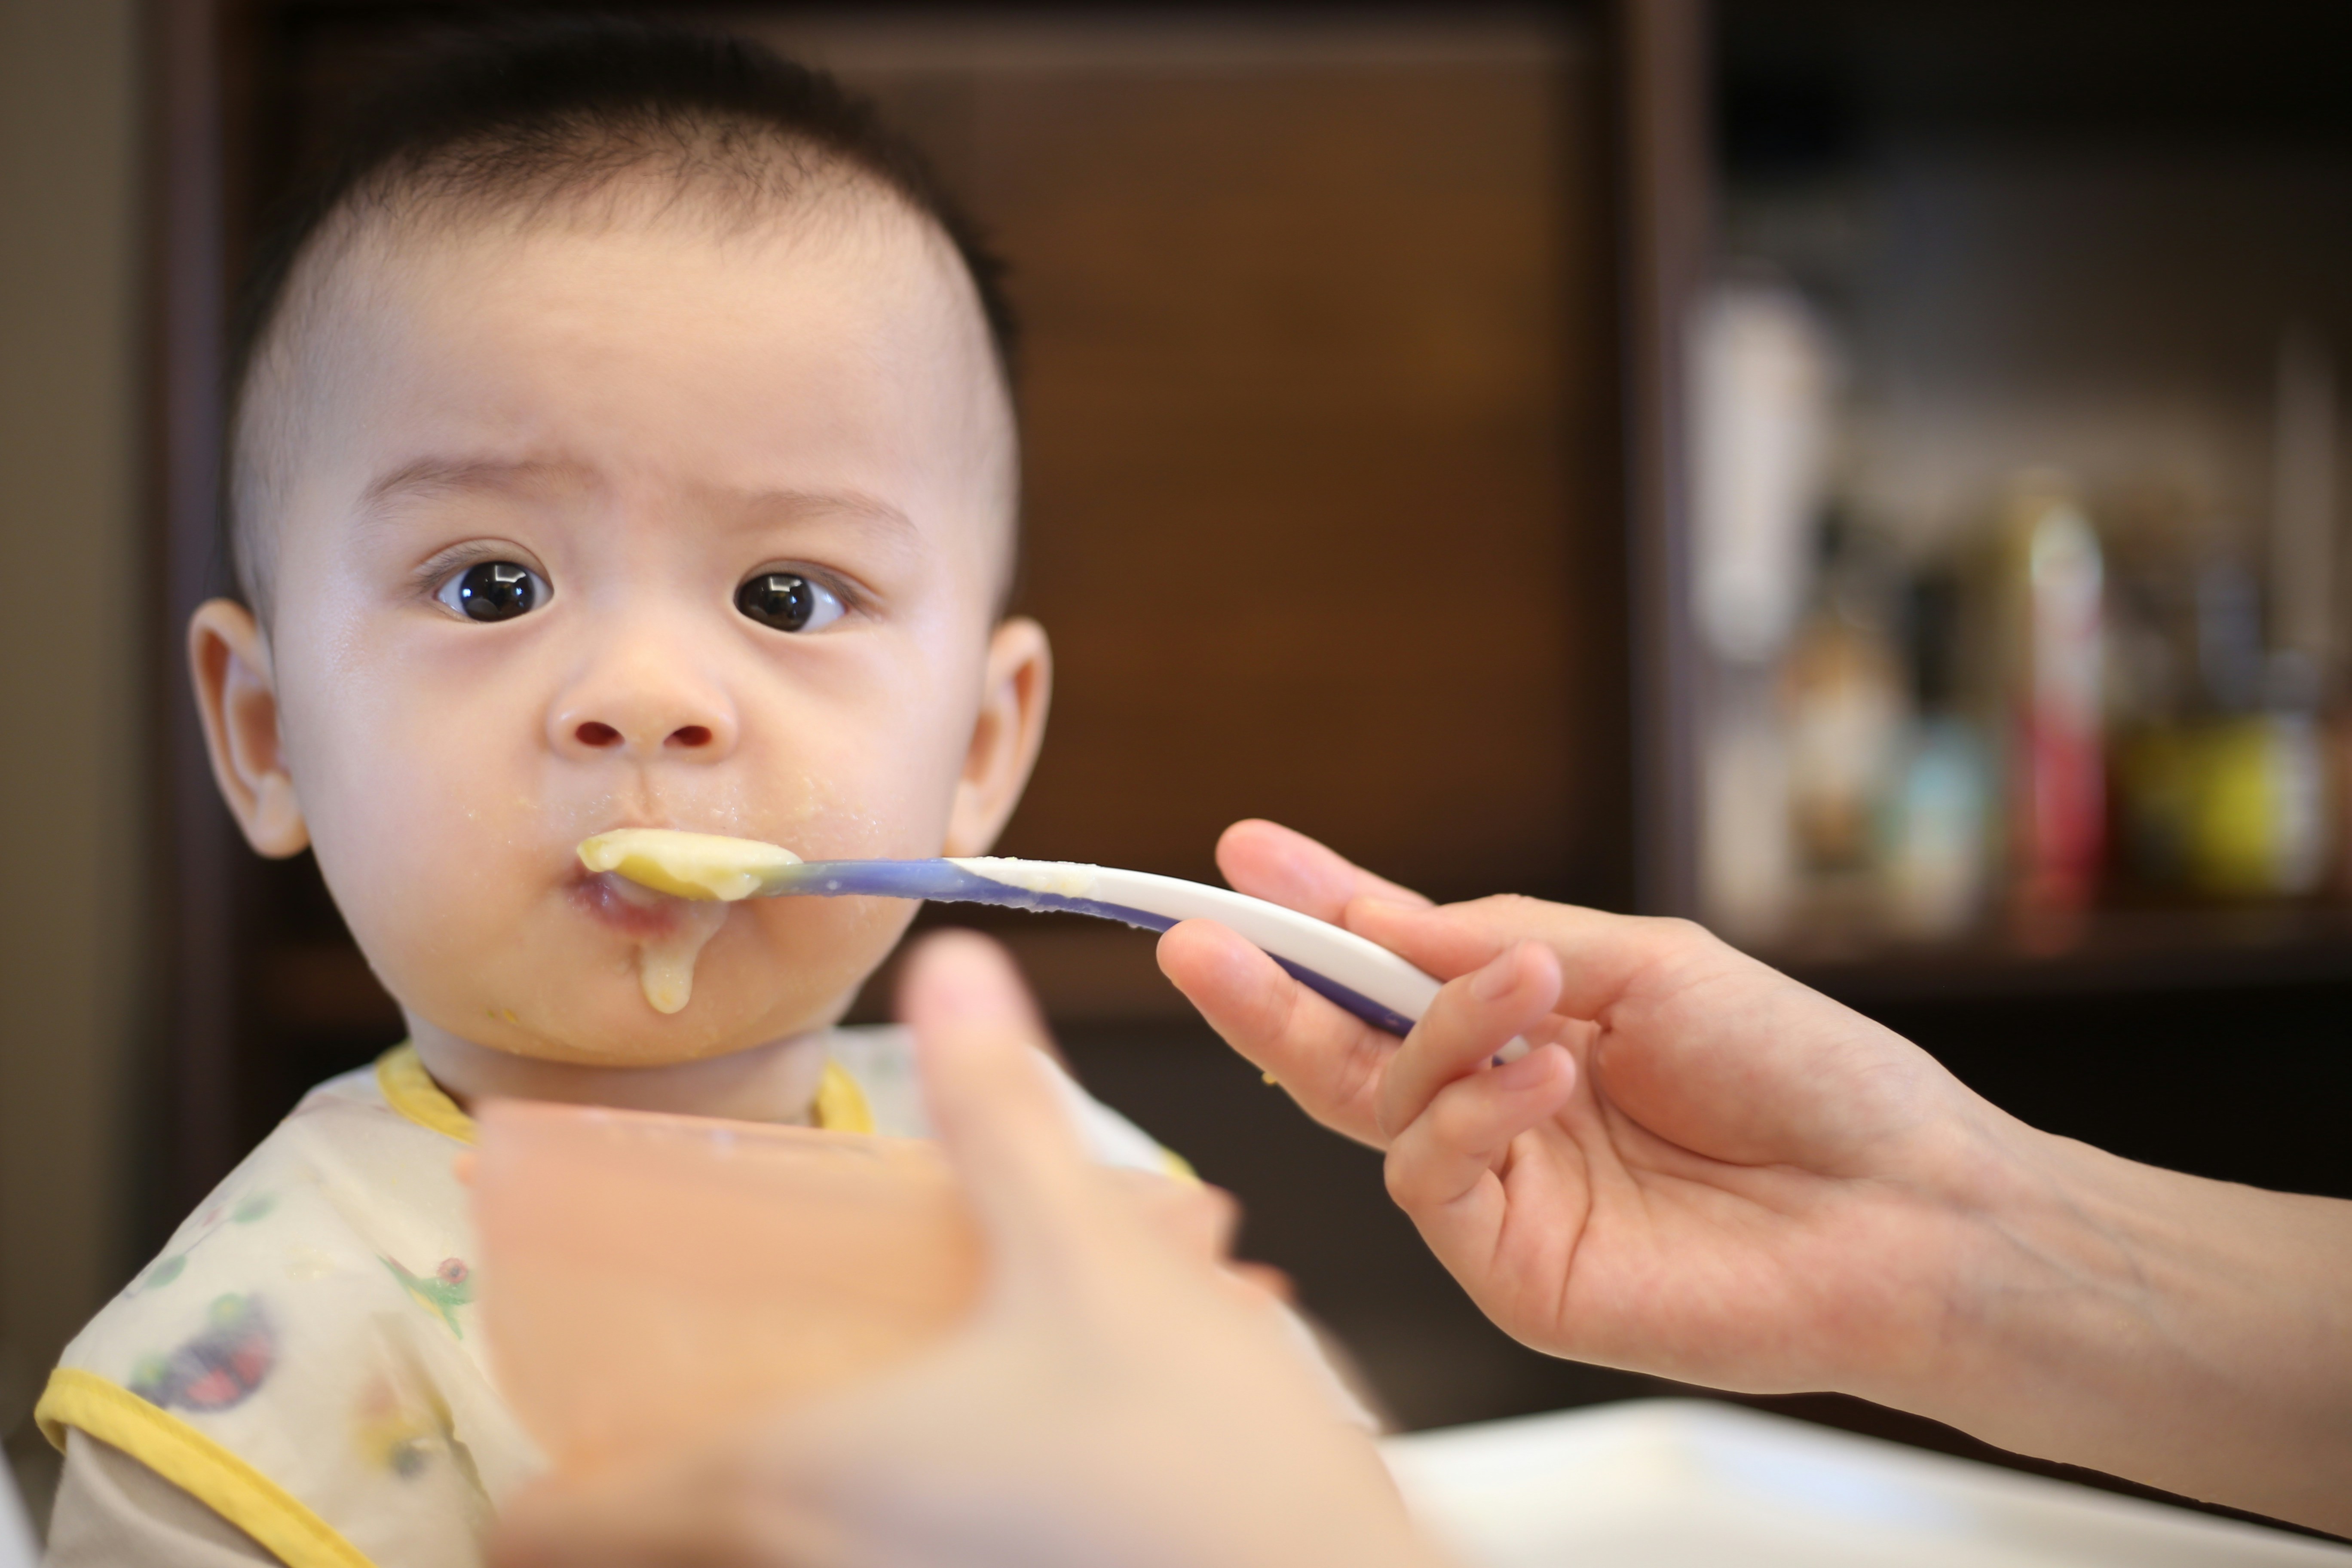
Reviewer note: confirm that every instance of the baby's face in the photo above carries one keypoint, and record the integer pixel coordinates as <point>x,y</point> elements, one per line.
<point>529,476</point>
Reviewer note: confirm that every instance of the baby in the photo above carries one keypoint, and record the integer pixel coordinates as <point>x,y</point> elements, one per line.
<point>622,439</point>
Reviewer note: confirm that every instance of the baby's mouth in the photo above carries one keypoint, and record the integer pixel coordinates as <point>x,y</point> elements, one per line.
<point>632,879</point>
<point>627,907</point>
<point>670,932</point>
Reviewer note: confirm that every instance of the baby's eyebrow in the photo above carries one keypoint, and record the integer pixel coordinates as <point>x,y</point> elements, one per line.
<point>439,475</point>
<point>756,507</point>
<point>768,506</point>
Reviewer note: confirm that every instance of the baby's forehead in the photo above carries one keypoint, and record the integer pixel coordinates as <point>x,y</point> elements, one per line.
<point>850,236</point>
<point>645,277</point>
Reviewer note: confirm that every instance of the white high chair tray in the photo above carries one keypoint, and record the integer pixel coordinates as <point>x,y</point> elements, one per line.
<point>1689,1483</point>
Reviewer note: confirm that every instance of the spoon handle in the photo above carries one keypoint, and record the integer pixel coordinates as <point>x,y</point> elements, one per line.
<point>1360,976</point>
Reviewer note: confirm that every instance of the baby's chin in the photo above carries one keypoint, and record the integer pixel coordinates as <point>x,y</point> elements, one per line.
<point>606,1021</point>
<point>582,995</point>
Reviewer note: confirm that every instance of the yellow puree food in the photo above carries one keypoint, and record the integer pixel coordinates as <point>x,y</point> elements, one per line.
<point>686,864</point>
<point>707,868</point>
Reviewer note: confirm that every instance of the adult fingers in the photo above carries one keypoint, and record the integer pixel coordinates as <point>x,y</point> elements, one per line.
<point>1200,1222</point>
<point>682,1510</point>
<point>998,1116</point>
<point>1266,1280</point>
<point>1330,1061</point>
<point>1449,1149</point>
<point>1269,861</point>
<point>1473,1016</point>
<point>555,1526</point>
<point>1601,955</point>
<point>1193,1217</point>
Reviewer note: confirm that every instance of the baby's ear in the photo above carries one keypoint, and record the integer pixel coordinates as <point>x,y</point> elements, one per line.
<point>236,694</point>
<point>1017,686</point>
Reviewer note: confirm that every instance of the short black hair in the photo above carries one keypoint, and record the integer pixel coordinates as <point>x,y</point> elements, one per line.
<point>541,109</point>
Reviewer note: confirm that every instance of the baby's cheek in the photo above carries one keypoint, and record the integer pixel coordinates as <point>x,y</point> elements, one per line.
<point>452,912</point>
<point>901,815</point>
<point>803,957</point>
<point>446,953</point>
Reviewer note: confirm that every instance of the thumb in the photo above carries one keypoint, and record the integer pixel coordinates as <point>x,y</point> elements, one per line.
<point>980,1049</point>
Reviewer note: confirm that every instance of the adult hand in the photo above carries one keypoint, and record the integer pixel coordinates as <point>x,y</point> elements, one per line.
<point>1118,1397</point>
<point>1697,1170</point>
<point>1707,1170</point>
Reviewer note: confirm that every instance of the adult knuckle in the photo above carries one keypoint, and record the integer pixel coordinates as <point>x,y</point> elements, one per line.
<point>1406,1183</point>
<point>1513,910</point>
<point>1454,1122</point>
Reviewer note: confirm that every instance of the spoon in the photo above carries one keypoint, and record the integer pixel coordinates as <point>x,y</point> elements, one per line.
<point>1360,976</point>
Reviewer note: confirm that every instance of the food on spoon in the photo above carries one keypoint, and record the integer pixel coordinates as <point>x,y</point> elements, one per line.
<point>702,866</point>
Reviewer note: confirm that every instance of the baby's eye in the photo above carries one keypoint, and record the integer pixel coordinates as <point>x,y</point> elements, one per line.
<point>787,602</point>
<point>493,591</point>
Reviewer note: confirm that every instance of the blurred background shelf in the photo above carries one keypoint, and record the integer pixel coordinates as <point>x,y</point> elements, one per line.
<point>2013,602</point>
<point>2118,950</point>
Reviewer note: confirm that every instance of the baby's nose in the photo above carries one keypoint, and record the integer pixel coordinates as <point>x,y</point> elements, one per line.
<point>597,735</point>
<point>645,711</point>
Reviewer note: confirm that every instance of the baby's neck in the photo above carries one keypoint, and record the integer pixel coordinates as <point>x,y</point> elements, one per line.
<point>774,1082</point>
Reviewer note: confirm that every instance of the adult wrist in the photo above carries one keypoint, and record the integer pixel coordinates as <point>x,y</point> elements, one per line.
<point>2179,1332</point>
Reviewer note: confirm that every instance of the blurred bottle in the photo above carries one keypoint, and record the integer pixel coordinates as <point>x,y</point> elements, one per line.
<point>1846,702</point>
<point>2053,590</point>
<point>2307,594</point>
<point>1763,380</point>
<point>2254,800</point>
<point>2227,792</point>
<point>1937,822</point>
<point>2258,808</point>
<point>1763,377</point>
<point>2230,774</point>
<point>2152,677</point>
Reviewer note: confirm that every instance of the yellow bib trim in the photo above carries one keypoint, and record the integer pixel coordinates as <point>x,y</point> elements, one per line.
<point>840,1104</point>
<point>409,1089</point>
<point>196,1464</point>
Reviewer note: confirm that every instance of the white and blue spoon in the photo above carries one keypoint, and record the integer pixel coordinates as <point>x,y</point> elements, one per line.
<point>1360,976</point>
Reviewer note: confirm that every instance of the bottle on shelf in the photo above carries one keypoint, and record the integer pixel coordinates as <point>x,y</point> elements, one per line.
<point>1937,832</point>
<point>2259,822</point>
<point>1763,384</point>
<point>1846,705</point>
<point>2052,592</point>
<point>2224,784</point>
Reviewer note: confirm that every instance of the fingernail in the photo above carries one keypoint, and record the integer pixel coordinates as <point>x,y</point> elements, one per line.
<point>1528,1070</point>
<point>1496,978</point>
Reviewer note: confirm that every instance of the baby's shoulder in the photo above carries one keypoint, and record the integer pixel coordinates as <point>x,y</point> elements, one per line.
<point>312,1323</point>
